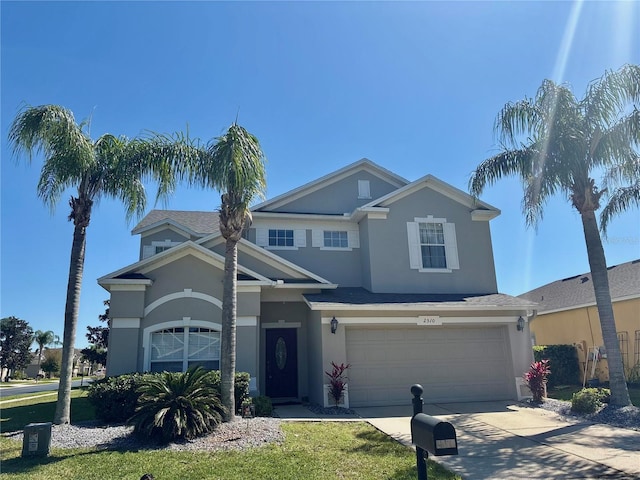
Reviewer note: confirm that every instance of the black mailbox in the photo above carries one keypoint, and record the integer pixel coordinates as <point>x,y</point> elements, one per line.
<point>433,435</point>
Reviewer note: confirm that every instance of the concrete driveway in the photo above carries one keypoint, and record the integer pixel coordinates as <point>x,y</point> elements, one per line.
<point>508,440</point>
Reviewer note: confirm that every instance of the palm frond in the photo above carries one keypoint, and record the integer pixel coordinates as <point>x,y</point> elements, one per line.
<point>516,120</point>
<point>619,201</point>
<point>608,96</point>
<point>51,130</point>
<point>504,164</point>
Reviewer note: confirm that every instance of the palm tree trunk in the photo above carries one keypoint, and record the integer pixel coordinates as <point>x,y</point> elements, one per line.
<point>598,266</point>
<point>76,267</point>
<point>228,336</point>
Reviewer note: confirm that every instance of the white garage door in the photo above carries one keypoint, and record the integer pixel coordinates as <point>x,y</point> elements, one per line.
<point>452,364</point>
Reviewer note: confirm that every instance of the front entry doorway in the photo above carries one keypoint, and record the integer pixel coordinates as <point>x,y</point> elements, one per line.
<point>281,363</point>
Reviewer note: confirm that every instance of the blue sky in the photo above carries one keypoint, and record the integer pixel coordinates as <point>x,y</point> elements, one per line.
<point>415,87</point>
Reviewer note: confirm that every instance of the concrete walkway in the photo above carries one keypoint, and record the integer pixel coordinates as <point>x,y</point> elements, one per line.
<point>508,440</point>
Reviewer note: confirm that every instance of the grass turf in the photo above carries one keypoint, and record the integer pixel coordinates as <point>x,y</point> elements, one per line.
<point>314,450</point>
<point>317,450</point>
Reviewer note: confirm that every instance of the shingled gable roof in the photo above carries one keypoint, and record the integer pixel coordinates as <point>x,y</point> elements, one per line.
<point>344,298</point>
<point>131,273</point>
<point>362,164</point>
<point>577,291</point>
<point>194,222</point>
<point>441,187</point>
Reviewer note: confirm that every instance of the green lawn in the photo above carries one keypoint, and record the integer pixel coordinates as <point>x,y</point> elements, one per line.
<point>566,392</point>
<point>311,450</point>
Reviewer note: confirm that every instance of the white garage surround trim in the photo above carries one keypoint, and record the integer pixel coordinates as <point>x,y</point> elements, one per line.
<point>420,320</point>
<point>452,363</point>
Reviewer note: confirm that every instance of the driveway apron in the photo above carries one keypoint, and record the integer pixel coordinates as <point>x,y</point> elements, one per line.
<point>507,440</point>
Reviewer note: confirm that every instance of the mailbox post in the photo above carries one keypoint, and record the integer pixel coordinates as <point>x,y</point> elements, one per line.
<point>429,434</point>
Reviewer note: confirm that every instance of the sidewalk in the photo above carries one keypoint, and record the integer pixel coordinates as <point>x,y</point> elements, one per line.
<point>507,440</point>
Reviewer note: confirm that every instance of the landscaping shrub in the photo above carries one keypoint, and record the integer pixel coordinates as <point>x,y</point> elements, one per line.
<point>115,398</point>
<point>176,405</point>
<point>536,379</point>
<point>563,362</point>
<point>589,400</point>
<point>264,407</point>
<point>337,381</point>
<point>241,386</point>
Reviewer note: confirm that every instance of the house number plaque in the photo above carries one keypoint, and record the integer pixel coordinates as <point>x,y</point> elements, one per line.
<point>281,353</point>
<point>425,320</point>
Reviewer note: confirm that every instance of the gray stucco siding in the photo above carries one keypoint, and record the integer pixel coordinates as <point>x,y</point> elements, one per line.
<point>365,253</point>
<point>180,308</point>
<point>339,197</point>
<point>123,351</point>
<point>337,266</point>
<point>247,350</point>
<point>389,249</point>
<point>127,304</point>
<point>187,272</point>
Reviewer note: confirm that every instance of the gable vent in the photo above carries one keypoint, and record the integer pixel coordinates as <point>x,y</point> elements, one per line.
<point>584,279</point>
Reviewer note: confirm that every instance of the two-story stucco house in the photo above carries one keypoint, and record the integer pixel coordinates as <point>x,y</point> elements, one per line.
<point>360,266</point>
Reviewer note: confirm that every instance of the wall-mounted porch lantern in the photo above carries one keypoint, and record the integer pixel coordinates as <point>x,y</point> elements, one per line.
<point>520,324</point>
<point>334,325</point>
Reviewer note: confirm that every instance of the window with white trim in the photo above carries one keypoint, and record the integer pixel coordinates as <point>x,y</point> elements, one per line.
<point>364,189</point>
<point>329,239</point>
<point>176,349</point>
<point>432,245</point>
<point>157,247</point>
<point>280,238</point>
<point>336,239</point>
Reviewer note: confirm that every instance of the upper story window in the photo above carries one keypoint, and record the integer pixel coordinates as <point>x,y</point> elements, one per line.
<point>280,238</point>
<point>432,245</point>
<point>432,248</point>
<point>157,247</point>
<point>336,239</point>
<point>364,189</point>
<point>329,239</point>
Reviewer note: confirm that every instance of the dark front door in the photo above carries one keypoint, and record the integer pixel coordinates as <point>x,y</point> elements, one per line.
<point>282,363</point>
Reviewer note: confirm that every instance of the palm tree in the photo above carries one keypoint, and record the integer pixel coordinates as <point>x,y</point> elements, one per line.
<point>233,165</point>
<point>112,167</point>
<point>554,143</point>
<point>42,339</point>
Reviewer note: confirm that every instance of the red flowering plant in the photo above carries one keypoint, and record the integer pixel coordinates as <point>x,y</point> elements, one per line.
<point>536,379</point>
<point>337,381</point>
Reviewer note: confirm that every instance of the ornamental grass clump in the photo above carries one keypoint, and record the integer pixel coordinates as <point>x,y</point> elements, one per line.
<point>337,381</point>
<point>536,379</point>
<point>175,406</point>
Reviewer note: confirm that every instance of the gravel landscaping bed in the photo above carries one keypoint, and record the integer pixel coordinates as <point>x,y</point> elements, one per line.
<point>624,417</point>
<point>239,435</point>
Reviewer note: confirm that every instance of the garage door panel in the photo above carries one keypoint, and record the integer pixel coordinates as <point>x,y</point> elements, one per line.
<point>452,364</point>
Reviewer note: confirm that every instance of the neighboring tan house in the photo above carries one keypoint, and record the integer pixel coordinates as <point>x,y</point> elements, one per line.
<point>361,266</point>
<point>567,314</point>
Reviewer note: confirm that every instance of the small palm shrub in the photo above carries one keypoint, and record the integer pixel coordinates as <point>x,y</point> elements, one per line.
<point>589,400</point>
<point>176,405</point>
<point>536,379</point>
